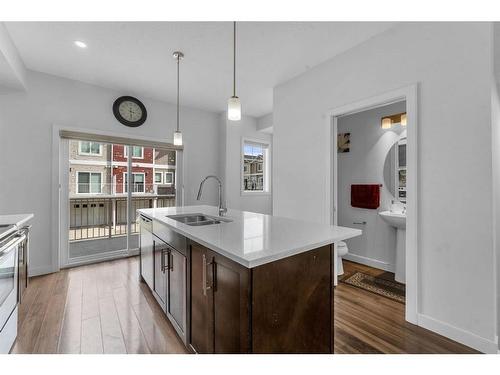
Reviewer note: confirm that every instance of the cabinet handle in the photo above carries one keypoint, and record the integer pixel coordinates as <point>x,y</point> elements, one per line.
<point>163,266</point>
<point>162,261</point>
<point>170,261</point>
<point>204,285</point>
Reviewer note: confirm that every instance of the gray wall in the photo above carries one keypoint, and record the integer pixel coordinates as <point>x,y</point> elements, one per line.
<point>26,120</point>
<point>495,125</point>
<point>364,164</point>
<point>233,133</point>
<point>452,64</point>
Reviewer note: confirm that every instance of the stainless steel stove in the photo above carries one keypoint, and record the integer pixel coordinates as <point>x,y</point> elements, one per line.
<point>10,240</point>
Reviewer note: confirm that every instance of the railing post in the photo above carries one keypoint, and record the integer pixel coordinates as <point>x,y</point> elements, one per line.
<point>110,217</point>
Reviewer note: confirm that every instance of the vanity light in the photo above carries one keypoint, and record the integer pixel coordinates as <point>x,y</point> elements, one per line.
<point>403,119</point>
<point>386,123</point>
<point>80,44</point>
<point>234,104</point>
<point>177,134</point>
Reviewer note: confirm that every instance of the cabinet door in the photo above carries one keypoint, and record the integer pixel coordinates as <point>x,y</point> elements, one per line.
<point>177,289</point>
<point>231,306</point>
<point>160,274</point>
<point>147,261</point>
<point>201,336</point>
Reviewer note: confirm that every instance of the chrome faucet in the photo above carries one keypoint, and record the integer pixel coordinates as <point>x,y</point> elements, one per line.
<point>222,204</point>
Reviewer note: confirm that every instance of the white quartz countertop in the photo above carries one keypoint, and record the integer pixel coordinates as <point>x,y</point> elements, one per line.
<point>17,220</point>
<point>252,239</point>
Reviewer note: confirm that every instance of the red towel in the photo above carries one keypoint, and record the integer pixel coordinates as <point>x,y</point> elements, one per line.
<point>365,196</point>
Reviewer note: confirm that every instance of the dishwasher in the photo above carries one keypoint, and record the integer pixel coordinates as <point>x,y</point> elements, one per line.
<point>170,277</point>
<point>146,251</point>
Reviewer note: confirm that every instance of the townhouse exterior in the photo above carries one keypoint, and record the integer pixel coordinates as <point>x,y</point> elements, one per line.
<point>98,181</point>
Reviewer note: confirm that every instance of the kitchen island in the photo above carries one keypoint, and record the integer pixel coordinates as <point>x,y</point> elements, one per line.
<point>244,283</point>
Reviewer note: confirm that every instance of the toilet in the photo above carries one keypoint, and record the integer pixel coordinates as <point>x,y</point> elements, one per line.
<point>341,251</point>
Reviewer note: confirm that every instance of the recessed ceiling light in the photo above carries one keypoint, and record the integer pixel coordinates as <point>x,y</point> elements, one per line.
<point>80,44</point>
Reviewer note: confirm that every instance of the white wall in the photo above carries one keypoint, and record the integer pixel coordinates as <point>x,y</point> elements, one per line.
<point>26,120</point>
<point>495,127</point>
<point>233,132</point>
<point>452,63</point>
<point>364,164</point>
<point>265,123</point>
<point>12,69</point>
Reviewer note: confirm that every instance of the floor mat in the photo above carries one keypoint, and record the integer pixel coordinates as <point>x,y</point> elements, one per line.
<point>387,288</point>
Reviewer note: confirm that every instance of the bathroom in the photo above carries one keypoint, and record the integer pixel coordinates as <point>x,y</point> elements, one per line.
<point>371,195</point>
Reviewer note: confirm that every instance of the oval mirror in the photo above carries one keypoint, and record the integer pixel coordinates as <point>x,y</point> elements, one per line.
<point>395,169</point>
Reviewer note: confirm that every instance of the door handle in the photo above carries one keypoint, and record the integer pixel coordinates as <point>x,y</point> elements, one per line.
<point>204,285</point>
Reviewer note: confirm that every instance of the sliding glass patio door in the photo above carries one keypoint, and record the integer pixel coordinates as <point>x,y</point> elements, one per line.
<point>106,184</point>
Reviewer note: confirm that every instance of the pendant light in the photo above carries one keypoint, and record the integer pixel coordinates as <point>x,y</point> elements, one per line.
<point>177,134</point>
<point>234,104</point>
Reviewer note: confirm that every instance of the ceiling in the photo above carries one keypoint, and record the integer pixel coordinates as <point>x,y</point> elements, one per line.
<point>136,57</point>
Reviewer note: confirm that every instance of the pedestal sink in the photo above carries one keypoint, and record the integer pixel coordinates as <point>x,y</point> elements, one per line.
<point>398,221</point>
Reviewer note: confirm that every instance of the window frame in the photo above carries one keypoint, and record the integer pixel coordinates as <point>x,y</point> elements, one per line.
<point>165,178</point>
<point>80,152</point>
<point>125,183</point>
<point>266,166</point>
<point>125,152</point>
<point>90,173</point>
<point>161,178</point>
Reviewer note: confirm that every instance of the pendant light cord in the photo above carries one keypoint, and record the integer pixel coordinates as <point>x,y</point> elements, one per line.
<point>234,58</point>
<point>178,61</point>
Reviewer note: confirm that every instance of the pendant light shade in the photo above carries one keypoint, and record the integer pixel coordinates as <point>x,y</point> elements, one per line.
<point>177,134</point>
<point>177,138</point>
<point>234,109</point>
<point>234,103</point>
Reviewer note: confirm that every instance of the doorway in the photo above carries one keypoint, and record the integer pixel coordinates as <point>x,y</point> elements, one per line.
<point>407,95</point>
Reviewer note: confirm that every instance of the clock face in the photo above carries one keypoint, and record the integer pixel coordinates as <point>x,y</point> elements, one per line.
<point>129,111</point>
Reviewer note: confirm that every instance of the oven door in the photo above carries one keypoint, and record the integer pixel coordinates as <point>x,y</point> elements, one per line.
<point>8,277</point>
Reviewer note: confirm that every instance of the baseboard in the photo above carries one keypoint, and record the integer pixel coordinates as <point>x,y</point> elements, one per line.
<point>370,262</point>
<point>41,270</point>
<point>457,334</point>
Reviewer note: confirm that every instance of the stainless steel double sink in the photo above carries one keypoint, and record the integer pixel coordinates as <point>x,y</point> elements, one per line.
<point>199,219</point>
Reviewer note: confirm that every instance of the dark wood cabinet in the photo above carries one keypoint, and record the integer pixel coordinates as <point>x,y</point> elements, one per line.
<point>292,304</point>
<point>219,303</point>
<point>231,293</point>
<point>160,253</point>
<point>170,280</point>
<point>280,307</point>
<point>176,306</point>
<point>201,317</point>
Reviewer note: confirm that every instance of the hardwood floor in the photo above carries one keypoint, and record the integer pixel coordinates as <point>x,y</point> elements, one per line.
<point>100,308</point>
<point>369,323</point>
<point>103,308</point>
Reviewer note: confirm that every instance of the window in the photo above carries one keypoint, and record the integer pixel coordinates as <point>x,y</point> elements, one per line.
<point>89,148</point>
<point>169,178</point>
<point>158,177</point>
<point>138,185</point>
<point>255,169</point>
<point>137,152</point>
<point>89,182</point>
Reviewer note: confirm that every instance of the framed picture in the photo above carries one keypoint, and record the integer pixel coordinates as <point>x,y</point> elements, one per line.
<point>343,142</point>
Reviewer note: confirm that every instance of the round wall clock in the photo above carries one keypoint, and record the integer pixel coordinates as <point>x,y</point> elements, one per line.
<point>129,111</point>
